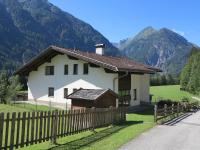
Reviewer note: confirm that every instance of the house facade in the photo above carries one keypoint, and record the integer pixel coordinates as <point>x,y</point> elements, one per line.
<point>58,72</point>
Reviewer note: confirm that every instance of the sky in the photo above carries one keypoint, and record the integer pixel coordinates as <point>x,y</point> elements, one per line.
<point>120,19</point>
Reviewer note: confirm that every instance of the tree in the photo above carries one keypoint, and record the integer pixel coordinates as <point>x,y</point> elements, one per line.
<point>13,87</point>
<point>3,86</point>
<point>170,80</point>
<point>8,87</point>
<point>163,80</point>
<point>190,78</point>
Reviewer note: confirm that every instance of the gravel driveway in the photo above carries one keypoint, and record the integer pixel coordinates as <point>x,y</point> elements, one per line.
<point>179,134</point>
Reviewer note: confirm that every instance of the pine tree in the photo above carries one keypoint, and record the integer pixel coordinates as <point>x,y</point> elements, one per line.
<point>190,76</point>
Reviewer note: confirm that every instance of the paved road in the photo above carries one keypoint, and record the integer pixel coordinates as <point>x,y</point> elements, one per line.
<point>180,134</point>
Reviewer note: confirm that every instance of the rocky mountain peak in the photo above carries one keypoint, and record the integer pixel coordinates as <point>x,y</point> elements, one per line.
<point>145,33</point>
<point>160,48</point>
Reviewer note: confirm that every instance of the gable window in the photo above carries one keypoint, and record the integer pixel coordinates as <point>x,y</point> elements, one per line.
<point>66,70</point>
<point>51,92</point>
<point>85,68</point>
<point>75,71</point>
<point>49,70</point>
<point>65,92</point>
<point>135,94</point>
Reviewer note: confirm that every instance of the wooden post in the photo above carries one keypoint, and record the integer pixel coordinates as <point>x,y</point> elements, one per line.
<point>55,121</point>
<point>165,110</point>
<point>1,128</point>
<point>93,118</point>
<point>178,109</point>
<point>12,131</point>
<point>111,115</point>
<point>172,108</point>
<point>155,113</point>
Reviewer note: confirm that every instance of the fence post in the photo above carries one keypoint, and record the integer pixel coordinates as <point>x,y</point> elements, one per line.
<point>165,110</point>
<point>173,109</point>
<point>55,122</point>
<point>155,113</point>
<point>93,118</point>
<point>111,115</point>
<point>178,109</point>
<point>1,128</point>
<point>124,110</point>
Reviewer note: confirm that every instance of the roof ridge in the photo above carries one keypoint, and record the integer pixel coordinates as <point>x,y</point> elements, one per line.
<point>88,57</point>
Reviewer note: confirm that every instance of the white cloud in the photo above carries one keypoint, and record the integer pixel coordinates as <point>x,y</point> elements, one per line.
<point>182,33</point>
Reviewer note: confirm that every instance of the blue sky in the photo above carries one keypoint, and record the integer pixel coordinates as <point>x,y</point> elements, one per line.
<point>119,19</point>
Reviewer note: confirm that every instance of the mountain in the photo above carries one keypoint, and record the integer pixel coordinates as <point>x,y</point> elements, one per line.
<point>190,79</point>
<point>162,48</point>
<point>28,26</point>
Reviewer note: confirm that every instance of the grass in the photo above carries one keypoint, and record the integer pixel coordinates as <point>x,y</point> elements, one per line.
<point>22,108</point>
<point>110,138</point>
<point>172,92</point>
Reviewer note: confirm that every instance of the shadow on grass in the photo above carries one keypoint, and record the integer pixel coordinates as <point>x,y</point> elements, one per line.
<point>87,141</point>
<point>146,111</point>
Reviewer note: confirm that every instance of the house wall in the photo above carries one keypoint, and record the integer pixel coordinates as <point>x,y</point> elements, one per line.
<point>141,83</point>
<point>38,82</point>
<point>145,85</point>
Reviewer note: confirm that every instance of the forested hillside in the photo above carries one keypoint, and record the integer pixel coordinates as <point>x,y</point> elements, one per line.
<point>190,76</point>
<point>29,26</point>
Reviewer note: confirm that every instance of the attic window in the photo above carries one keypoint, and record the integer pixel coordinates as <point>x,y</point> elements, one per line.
<point>49,70</point>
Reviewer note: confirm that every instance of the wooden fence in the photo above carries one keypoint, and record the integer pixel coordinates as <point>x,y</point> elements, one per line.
<point>173,111</point>
<point>28,128</point>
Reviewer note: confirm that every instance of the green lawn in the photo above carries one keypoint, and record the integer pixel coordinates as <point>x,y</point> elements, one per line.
<point>172,92</point>
<point>110,138</point>
<point>22,108</point>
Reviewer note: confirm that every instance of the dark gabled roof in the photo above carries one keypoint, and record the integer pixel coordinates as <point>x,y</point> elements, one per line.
<point>90,94</point>
<point>116,64</point>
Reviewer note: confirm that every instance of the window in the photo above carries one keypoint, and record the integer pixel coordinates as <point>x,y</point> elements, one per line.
<point>65,92</point>
<point>124,93</point>
<point>49,70</point>
<point>51,92</point>
<point>75,69</point>
<point>66,70</point>
<point>135,94</point>
<point>85,68</point>
<point>74,90</point>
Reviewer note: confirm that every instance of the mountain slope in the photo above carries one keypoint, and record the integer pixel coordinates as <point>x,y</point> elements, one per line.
<point>160,48</point>
<point>28,26</point>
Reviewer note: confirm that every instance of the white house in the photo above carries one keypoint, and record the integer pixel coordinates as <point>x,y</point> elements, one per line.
<point>57,72</point>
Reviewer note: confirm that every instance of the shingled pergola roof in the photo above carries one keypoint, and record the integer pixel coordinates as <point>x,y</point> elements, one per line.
<point>90,94</point>
<point>116,64</point>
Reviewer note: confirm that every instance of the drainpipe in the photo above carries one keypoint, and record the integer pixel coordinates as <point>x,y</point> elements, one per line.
<point>119,77</point>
